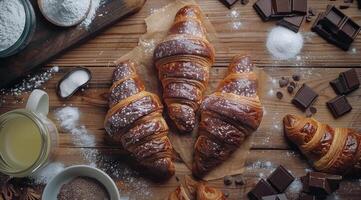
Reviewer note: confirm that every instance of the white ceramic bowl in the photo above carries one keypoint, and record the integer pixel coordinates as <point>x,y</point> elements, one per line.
<point>52,188</point>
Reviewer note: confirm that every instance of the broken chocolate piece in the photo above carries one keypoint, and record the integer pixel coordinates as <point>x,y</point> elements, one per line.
<point>351,80</point>
<point>338,86</point>
<point>296,77</point>
<point>304,97</point>
<point>260,190</point>
<point>299,6</point>
<point>264,9</point>
<point>320,184</point>
<point>292,23</point>
<point>280,179</point>
<point>275,197</point>
<point>244,2</point>
<point>283,82</point>
<point>313,110</point>
<point>290,89</point>
<point>228,3</point>
<point>337,28</point>
<point>339,106</point>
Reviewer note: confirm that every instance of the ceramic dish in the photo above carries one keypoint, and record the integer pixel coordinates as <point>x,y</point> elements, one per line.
<point>53,187</point>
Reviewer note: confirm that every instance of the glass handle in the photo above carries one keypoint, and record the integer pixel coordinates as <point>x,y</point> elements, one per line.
<point>38,102</point>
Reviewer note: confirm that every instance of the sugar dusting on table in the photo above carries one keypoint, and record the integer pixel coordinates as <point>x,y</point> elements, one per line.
<point>44,175</point>
<point>68,118</point>
<point>92,13</point>
<point>28,84</point>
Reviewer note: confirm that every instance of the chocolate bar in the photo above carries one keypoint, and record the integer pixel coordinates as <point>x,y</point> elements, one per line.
<point>337,28</point>
<point>339,106</point>
<point>275,197</point>
<point>292,23</point>
<point>228,3</point>
<point>264,9</point>
<point>304,97</point>
<point>280,179</point>
<point>299,6</point>
<point>260,190</point>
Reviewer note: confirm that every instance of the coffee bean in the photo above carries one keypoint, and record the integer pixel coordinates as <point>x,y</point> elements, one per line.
<point>313,110</point>
<point>239,180</point>
<point>293,84</point>
<point>296,77</point>
<point>279,95</point>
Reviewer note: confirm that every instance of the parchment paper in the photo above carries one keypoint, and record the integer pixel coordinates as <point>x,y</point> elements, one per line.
<point>158,25</point>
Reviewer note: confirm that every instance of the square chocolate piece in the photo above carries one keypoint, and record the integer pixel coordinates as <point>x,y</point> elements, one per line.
<point>350,79</point>
<point>338,86</point>
<point>260,190</point>
<point>339,106</point>
<point>299,6</point>
<point>228,3</point>
<point>264,9</point>
<point>281,6</point>
<point>292,23</point>
<point>320,184</point>
<point>304,97</point>
<point>349,31</point>
<point>275,197</point>
<point>280,179</point>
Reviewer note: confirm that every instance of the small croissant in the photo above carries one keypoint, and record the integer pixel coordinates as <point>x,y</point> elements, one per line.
<point>330,150</point>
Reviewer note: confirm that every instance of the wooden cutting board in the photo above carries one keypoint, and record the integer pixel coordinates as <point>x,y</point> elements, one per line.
<point>49,40</point>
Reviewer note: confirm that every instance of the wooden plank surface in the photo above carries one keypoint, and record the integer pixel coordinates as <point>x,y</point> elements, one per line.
<point>318,64</point>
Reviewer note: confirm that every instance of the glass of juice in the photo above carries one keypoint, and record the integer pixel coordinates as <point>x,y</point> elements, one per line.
<point>28,138</point>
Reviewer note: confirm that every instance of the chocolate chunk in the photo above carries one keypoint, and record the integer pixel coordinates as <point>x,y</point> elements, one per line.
<point>264,9</point>
<point>227,180</point>
<point>292,23</point>
<point>279,95</point>
<point>305,196</point>
<point>296,77</point>
<point>344,6</point>
<point>351,80</point>
<point>290,89</point>
<point>339,106</point>
<point>338,87</point>
<point>275,197</point>
<point>260,190</point>
<point>239,180</point>
<point>304,97</point>
<point>320,184</point>
<point>282,6</point>
<point>283,82</point>
<point>228,3</point>
<point>299,6</point>
<point>280,179</point>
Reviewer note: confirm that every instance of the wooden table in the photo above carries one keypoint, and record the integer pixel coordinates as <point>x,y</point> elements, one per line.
<point>318,63</point>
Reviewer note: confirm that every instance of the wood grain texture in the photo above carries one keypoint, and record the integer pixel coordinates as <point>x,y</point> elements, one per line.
<point>320,62</point>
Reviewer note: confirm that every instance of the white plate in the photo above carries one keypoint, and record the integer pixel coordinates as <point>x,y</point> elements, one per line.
<point>52,188</point>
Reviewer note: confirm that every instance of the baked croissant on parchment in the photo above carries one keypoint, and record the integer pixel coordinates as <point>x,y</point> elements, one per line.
<point>228,116</point>
<point>135,120</point>
<point>183,61</point>
<point>330,150</point>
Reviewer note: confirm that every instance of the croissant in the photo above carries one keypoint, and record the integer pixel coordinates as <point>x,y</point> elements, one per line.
<point>228,116</point>
<point>183,61</point>
<point>135,120</point>
<point>192,190</point>
<point>330,150</point>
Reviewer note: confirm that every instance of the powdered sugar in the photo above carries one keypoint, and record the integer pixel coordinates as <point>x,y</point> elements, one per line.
<point>44,175</point>
<point>66,12</point>
<point>283,43</point>
<point>92,13</point>
<point>12,22</point>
